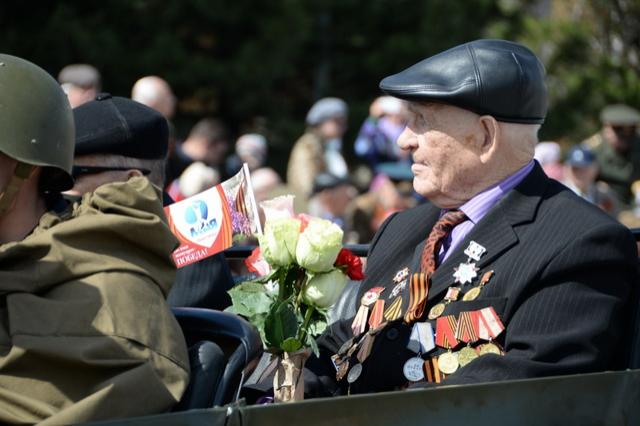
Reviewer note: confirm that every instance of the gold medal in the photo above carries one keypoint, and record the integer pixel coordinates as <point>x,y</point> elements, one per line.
<point>489,348</point>
<point>472,294</point>
<point>466,355</point>
<point>448,362</point>
<point>436,311</point>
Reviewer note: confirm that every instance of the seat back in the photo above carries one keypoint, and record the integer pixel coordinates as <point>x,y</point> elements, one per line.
<point>238,340</point>
<point>207,362</point>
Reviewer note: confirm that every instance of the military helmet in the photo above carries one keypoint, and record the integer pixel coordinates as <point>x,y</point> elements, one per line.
<point>36,122</point>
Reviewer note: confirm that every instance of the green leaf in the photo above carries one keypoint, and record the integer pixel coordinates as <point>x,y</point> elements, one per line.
<point>280,324</point>
<point>249,299</point>
<point>311,342</point>
<point>291,345</point>
<point>317,327</point>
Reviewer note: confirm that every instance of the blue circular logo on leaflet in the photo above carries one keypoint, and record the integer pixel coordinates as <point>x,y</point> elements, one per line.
<point>196,212</point>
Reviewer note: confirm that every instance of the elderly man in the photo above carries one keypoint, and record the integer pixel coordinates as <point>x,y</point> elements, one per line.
<point>504,273</point>
<point>117,139</point>
<point>81,83</point>
<point>85,333</point>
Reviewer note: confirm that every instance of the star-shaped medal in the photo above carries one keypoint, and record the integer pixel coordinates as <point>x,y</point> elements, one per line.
<point>398,288</point>
<point>465,273</point>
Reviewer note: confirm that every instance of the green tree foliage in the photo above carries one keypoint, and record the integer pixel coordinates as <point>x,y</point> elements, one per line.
<point>259,65</point>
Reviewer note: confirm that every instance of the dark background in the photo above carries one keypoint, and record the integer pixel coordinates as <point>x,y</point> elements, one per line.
<point>259,65</point>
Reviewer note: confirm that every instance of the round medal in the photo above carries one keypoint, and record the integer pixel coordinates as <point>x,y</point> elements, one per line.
<point>472,294</point>
<point>490,348</point>
<point>466,355</point>
<point>413,369</point>
<point>354,373</point>
<point>448,362</point>
<point>436,311</point>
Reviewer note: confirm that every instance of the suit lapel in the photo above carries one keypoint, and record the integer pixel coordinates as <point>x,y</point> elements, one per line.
<point>495,231</point>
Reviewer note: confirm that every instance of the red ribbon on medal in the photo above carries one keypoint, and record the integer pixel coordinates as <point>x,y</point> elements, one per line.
<point>467,331</point>
<point>419,290</point>
<point>489,324</point>
<point>376,314</point>
<point>370,297</point>
<point>445,332</point>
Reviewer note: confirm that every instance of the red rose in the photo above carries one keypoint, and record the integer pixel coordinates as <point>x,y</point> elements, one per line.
<point>349,262</point>
<point>256,263</point>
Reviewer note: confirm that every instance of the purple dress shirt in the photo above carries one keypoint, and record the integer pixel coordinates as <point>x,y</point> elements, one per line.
<point>477,207</point>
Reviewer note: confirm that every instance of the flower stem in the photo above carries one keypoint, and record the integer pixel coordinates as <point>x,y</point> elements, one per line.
<point>307,319</point>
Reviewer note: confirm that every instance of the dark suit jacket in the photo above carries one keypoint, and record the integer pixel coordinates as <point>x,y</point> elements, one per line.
<point>563,277</point>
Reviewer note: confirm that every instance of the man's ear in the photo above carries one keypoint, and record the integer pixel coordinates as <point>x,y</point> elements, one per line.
<point>491,137</point>
<point>133,173</point>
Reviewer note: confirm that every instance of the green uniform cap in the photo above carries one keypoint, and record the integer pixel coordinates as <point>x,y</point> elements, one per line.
<point>36,123</point>
<point>620,115</point>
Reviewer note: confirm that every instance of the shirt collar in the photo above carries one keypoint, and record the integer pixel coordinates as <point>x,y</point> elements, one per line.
<point>478,206</point>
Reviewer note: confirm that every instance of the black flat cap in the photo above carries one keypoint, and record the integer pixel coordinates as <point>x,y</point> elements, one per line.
<point>114,125</point>
<point>495,77</point>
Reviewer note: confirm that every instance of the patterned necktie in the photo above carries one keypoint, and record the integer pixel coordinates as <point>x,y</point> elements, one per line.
<point>419,285</point>
<point>440,231</point>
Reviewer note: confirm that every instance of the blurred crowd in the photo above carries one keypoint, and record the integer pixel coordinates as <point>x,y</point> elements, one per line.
<point>604,169</point>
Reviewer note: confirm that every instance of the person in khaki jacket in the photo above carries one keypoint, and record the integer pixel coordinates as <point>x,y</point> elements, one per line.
<point>85,333</point>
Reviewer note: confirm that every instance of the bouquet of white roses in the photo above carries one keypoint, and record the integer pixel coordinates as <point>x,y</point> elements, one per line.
<point>303,269</point>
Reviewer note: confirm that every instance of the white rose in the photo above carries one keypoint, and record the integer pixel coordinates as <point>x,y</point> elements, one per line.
<point>323,290</point>
<point>279,240</point>
<point>319,245</point>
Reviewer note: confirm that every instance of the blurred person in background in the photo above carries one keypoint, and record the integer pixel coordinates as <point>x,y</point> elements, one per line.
<point>81,83</point>
<point>320,148</point>
<point>376,141</point>
<point>580,174</point>
<point>549,155</point>
<point>251,148</point>
<point>196,178</point>
<point>207,142</point>
<point>155,93</point>
<point>617,149</point>
<point>330,197</point>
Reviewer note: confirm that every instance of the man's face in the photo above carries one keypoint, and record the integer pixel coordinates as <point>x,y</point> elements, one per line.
<point>333,128</point>
<point>442,141</point>
<point>620,137</point>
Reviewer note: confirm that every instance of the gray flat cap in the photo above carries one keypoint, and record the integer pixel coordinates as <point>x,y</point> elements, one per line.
<point>495,77</point>
<point>325,109</point>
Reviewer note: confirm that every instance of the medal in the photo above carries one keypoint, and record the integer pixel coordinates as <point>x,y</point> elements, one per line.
<point>445,332</point>
<point>376,314</point>
<point>370,297</point>
<point>473,293</point>
<point>394,311</point>
<point>489,324</point>
<point>401,275</point>
<point>489,348</point>
<point>342,370</point>
<point>465,273</point>
<point>397,289</point>
<point>365,348</point>
<point>345,347</point>
<point>419,290</point>
<point>354,373</point>
<point>448,362</point>
<point>412,369</point>
<point>421,340</point>
<point>436,311</point>
<point>475,251</point>
<point>466,355</point>
<point>467,327</point>
<point>452,294</point>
